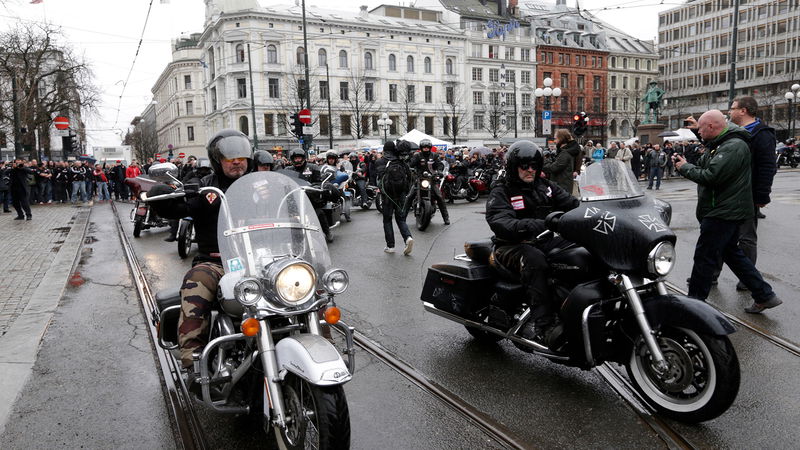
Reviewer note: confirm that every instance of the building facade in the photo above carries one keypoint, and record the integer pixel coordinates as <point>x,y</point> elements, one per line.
<point>180,101</point>
<point>695,44</point>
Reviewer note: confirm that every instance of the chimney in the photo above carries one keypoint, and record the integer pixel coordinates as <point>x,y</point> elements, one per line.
<point>363,12</point>
<point>501,8</point>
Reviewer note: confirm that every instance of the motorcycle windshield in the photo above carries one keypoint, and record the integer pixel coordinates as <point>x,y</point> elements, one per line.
<point>608,179</point>
<point>268,217</point>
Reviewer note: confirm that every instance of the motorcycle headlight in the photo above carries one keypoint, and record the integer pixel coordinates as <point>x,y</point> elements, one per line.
<point>247,291</point>
<point>336,281</point>
<point>295,283</point>
<point>426,184</point>
<point>661,259</point>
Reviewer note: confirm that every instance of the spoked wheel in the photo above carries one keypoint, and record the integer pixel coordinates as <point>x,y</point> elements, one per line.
<point>316,417</point>
<point>185,238</point>
<point>138,225</point>
<point>702,380</point>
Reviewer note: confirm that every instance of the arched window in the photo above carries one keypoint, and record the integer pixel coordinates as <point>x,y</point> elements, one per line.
<point>392,62</point>
<point>624,63</point>
<point>410,64</point>
<point>625,129</point>
<point>613,61</point>
<point>301,53</point>
<point>322,57</point>
<point>649,65</point>
<point>342,59</point>
<point>244,126</point>
<point>637,64</point>
<point>448,66</point>
<point>427,65</point>
<point>272,54</point>
<point>239,53</point>
<point>368,61</point>
<point>612,129</point>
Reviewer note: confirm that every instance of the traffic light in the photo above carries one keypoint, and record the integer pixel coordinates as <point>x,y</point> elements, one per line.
<point>297,126</point>
<point>580,121</point>
<point>66,145</point>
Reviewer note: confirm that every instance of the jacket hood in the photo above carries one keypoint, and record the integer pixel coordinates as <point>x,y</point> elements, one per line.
<point>733,131</point>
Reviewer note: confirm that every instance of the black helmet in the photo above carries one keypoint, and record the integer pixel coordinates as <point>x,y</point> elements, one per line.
<point>263,158</point>
<point>523,153</point>
<point>405,149</point>
<point>228,144</point>
<point>331,154</point>
<point>425,143</point>
<point>295,153</point>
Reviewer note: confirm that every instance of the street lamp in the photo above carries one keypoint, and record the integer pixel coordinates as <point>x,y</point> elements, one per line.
<point>384,123</point>
<point>792,98</point>
<point>547,92</point>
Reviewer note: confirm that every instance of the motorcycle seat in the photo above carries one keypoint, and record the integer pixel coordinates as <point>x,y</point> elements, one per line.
<point>168,297</point>
<point>479,251</point>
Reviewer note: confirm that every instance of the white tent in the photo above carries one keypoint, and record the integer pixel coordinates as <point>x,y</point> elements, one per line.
<point>415,136</point>
<point>684,134</point>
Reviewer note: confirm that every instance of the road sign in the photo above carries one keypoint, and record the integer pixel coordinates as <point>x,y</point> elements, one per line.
<point>305,116</point>
<point>181,155</point>
<point>157,155</point>
<point>61,122</point>
<point>308,130</point>
<point>547,115</point>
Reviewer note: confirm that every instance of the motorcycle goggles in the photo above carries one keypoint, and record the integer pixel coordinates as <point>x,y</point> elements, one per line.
<point>234,147</point>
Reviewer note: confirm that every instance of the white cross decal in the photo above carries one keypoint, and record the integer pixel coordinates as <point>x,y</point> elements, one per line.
<point>606,223</point>
<point>652,223</point>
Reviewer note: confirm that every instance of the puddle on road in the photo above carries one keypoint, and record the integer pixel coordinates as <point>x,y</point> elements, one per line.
<point>64,230</point>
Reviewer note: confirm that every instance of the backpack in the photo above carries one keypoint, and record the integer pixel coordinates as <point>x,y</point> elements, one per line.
<point>396,179</point>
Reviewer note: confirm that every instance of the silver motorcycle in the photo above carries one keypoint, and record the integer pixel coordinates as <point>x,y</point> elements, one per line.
<point>266,354</point>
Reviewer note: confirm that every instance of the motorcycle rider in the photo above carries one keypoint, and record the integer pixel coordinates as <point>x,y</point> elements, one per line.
<point>459,170</point>
<point>231,156</point>
<point>310,173</point>
<point>264,160</point>
<point>515,211</point>
<point>426,160</point>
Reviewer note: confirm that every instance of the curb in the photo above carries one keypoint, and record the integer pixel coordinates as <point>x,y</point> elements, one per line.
<point>19,346</point>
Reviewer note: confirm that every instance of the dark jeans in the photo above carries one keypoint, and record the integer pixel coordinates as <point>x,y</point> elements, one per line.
<point>657,173</point>
<point>748,240</point>
<point>5,198</point>
<point>718,243</point>
<point>530,263</point>
<point>390,208</point>
<point>21,203</point>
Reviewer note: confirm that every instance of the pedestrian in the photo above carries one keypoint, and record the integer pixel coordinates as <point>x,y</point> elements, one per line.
<point>19,184</point>
<point>762,168</point>
<point>102,183</point>
<point>636,161</point>
<point>625,155</point>
<point>133,171</point>
<point>120,188</point>
<point>560,171</point>
<point>394,179</point>
<point>33,182</point>
<point>598,153</point>
<point>658,161</point>
<point>5,186</point>
<point>60,181</point>
<point>724,202</point>
<point>78,175</point>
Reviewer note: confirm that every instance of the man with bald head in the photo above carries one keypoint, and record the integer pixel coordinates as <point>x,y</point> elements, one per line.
<point>724,202</point>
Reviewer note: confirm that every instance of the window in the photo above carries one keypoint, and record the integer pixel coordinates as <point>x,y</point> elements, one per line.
<point>189,107</point>
<point>526,123</point>
<point>649,65</point>
<point>428,125</point>
<point>526,100</point>
<point>625,103</point>
<point>613,81</point>
<point>477,51</point>
<point>244,126</point>
<point>322,58</point>
<point>581,82</point>
<point>510,99</point>
<point>526,54</point>
<point>272,54</point>
<point>493,51</point>
<point>301,88</point>
<point>301,56</point>
<point>597,82</point>
<point>269,125</point>
<point>596,104</point>
<point>494,75</point>
<point>511,76</point>
<point>282,125</point>
<point>190,133</point>
<point>412,123</point>
<point>477,122</point>
<point>624,82</point>
<point>477,74</point>
<point>368,61</point>
<point>449,95</point>
<point>613,103</point>
<point>274,88</point>
<point>448,66</point>
<point>344,125</point>
<point>369,92</point>
<point>342,60</point>
<point>410,64</point>
<point>494,98</point>
<point>344,91</point>
<point>637,83</point>
<point>564,103</point>
<point>392,92</point>
<point>428,94</point>
<point>410,94</point>
<point>393,126</point>
<point>525,77</point>
<point>241,88</point>
<point>446,125</point>
<point>324,125</point>
<point>213,98</point>
<point>428,67</point>
<point>239,50</point>
<point>564,81</point>
<point>509,52</point>
<point>392,62</point>
<point>636,63</point>
<point>187,81</point>
<point>581,104</point>
<point>614,61</point>
<point>477,98</point>
<point>212,63</point>
<point>323,90</point>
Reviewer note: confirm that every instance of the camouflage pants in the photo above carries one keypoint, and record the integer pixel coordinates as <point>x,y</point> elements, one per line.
<point>198,294</point>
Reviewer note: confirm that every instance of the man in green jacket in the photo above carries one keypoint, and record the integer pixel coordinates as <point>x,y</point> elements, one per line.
<point>724,201</point>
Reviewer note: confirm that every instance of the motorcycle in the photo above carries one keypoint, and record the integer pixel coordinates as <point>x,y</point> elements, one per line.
<point>423,205</point>
<point>185,236</point>
<point>478,181</point>
<point>790,156</point>
<point>450,192</point>
<point>141,215</point>
<point>615,305</point>
<point>266,355</point>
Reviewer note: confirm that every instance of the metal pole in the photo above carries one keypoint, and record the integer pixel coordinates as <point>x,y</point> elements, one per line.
<point>330,116</point>
<point>252,98</point>
<point>735,37</point>
<point>515,107</point>
<point>535,117</point>
<point>17,143</point>
<point>305,58</point>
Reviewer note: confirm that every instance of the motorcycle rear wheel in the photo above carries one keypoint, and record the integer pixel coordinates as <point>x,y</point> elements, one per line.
<point>138,225</point>
<point>472,194</point>
<point>317,417</point>
<point>185,238</point>
<point>703,378</point>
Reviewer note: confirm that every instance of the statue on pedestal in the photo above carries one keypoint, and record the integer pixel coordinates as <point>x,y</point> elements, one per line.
<point>652,98</point>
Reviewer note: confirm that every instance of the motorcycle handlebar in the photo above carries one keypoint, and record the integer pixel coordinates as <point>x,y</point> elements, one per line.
<point>552,220</point>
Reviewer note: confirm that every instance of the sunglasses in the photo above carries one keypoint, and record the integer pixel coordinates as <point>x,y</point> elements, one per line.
<point>229,160</point>
<point>527,166</point>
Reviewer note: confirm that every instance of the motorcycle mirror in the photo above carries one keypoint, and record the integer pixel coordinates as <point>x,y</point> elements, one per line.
<point>163,172</point>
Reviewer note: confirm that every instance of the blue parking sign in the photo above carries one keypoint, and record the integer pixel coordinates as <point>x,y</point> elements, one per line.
<point>546,115</point>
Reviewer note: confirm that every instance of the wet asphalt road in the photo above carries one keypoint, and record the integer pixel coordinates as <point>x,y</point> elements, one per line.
<point>544,404</point>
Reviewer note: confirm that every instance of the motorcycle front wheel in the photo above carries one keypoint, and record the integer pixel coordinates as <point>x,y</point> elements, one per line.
<point>425,215</point>
<point>316,417</point>
<point>138,225</point>
<point>702,380</point>
<point>472,194</point>
<point>185,238</point>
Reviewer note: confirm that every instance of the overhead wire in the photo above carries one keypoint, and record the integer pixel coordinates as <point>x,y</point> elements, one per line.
<point>133,63</point>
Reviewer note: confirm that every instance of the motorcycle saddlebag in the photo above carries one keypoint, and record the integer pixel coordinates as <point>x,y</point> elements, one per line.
<point>460,288</point>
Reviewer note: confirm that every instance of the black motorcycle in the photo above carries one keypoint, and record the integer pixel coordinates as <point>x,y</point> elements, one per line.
<point>423,204</point>
<point>614,304</point>
<point>789,156</point>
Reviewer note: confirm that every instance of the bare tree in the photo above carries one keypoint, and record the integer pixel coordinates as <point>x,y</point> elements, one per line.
<point>455,119</point>
<point>359,102</point>
<point>635,108</point>
<point>408,101</point>
<point>295,98</point>
<point>143,139</point>
<point>46,78</point>
<point>495,111</point>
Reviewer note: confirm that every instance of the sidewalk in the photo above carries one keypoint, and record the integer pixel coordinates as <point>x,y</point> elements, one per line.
<point>38,256</point>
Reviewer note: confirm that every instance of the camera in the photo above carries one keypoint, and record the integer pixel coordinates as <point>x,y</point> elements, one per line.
<point>687,123</point>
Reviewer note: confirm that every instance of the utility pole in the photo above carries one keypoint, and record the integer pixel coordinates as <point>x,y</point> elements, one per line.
<point>307,138</point>
<point>735,38</point>
<point>252,99</point>
<point>515,107</point>
<point>330,116</point>
<point>17,143</point>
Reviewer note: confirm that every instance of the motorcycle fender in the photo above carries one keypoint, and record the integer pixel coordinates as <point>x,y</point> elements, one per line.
<point>312,358</point>
<point>682,311</point>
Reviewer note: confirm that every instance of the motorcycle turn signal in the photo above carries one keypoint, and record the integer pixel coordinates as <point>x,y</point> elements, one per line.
<point>250,327</point>
<point>332,315</point>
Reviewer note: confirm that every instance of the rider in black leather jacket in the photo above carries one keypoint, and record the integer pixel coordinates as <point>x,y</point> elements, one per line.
<point>426,160</point>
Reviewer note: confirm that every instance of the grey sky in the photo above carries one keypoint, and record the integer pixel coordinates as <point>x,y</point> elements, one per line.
<point>108,31</point>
